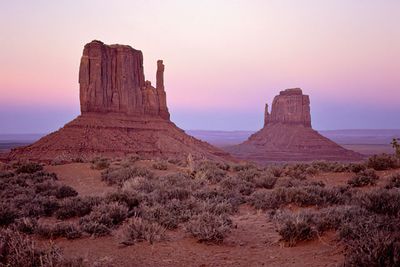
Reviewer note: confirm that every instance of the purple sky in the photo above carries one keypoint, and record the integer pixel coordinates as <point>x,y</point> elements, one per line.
<point>224,59</point>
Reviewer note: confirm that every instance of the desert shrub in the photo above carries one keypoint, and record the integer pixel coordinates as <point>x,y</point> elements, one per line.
<point>29,167</point>
<point>7,214</point>
<point>302,196</point>
<point>275,171</point>
<point>19,250</point>
<point>357,167</point>
<point>382,162</point>
<point>237,184</point>
<point>265,181</point>
<point>216,206</point>
<point>307,224</point>
<point>209,171</point>
<point>76,207</point>
<point>208,227</point>
<point>99,163</point>
<point>171,213</point>
<point>160,165</point>
<point>26,225</point>
<point>120,175</point>
<point>39,206</point>
<point>138,230</point>
<point>364,178</point>
<point>394,181</point>
<point>296,227</point>
<point>233,197</point>
<point>130,199</point>
<point>374,249</point>
<point>65,191</point>
<point>326,166</point>
<point>103,218</point>
<point>249,175</point>
<point>381,201</point>
<point>64,229</point>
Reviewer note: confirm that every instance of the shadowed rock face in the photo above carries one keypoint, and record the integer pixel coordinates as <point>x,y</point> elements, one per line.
<point>122,114</point>
<point>287,135</point>
<point>290,107</point>
<point>111,79</point>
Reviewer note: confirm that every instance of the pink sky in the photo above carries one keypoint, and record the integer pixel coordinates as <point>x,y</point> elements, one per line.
<point>224,56</point>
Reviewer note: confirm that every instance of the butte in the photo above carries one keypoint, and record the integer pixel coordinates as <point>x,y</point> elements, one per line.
<point>121,114</point>
<point>287,135</point>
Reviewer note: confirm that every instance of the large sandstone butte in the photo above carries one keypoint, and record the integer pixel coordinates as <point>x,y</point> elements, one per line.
<point>287,135</point>
<point>121,114</point>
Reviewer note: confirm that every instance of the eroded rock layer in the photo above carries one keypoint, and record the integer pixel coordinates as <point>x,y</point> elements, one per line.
<point>122,114</point>
<point>287,135</point>
<point>116,135</point>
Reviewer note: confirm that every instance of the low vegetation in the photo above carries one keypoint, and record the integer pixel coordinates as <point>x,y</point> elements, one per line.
<point>147,202</point>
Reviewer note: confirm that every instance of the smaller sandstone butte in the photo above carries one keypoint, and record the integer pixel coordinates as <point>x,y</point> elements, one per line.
<point>287,135</point>
<point>121,114</point>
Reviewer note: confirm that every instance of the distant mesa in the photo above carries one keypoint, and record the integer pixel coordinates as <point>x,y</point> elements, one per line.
<point>121,114</point>
<point>287,135</point>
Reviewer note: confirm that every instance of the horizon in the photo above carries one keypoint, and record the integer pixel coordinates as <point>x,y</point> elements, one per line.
<point>222,65</point>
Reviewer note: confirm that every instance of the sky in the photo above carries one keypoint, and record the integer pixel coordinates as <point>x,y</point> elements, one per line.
<point>224,59</point>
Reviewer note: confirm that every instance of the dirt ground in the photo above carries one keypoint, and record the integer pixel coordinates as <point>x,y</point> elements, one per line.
<point>253,241</point>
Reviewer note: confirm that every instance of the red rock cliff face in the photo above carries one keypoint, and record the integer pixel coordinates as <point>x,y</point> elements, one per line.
<point>287,135</point>
<point>111,79</point>
<point>290,107</point>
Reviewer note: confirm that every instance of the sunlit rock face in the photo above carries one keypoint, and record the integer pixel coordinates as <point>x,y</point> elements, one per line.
<point>111,79</point>
<point>121,114</point>
<point>287,135</point>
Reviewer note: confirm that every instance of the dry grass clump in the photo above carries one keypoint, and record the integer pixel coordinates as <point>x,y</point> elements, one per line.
<point>160,165</point>
<point>210,171</point>
<point>209,227</point>
<point>364,178</point>
<point>100,163</point>
<point>382,162</point>
<point>138,230</point>
<point>19,250</point>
